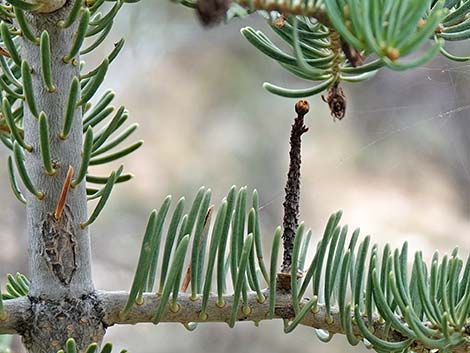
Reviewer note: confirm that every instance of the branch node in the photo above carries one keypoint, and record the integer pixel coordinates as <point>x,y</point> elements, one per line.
<point>175,307</point>
<point>246,309</point>
<point>261,299</point>
<point>139,301</point>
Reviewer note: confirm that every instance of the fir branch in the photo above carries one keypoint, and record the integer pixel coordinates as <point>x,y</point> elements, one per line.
<point>189,312</point>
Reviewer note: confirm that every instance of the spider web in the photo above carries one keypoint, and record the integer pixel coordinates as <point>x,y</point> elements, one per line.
<point>439,120</point>
<point>438,116</point>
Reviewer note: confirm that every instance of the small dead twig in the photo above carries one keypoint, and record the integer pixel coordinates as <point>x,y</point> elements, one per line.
<point>292,190</point>
<point>63,194</point>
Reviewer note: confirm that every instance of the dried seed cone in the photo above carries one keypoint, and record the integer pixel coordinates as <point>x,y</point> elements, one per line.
<point>336,100</point>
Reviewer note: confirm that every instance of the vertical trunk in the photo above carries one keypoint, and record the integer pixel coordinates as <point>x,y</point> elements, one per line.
<point>62,294</point>
<point>59,251</point>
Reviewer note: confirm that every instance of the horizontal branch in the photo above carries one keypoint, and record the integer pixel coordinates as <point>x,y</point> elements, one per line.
<point>17,311</point>
<point>189,311</point>
<point>286,9</point>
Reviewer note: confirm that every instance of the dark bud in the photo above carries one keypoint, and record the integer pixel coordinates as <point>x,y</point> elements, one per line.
<point>336,101</point>
<point>302,107</point>
<point>212,12</point>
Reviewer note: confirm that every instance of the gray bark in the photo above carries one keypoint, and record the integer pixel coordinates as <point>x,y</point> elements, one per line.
<point>17,314</point>
<point>189,311</point>
<point>62,297</point>
<point>70,273</point>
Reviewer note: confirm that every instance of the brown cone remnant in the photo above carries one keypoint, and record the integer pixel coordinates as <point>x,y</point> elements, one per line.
<point>212,12</point>
<point>292,197</point>
<point>336,101</point>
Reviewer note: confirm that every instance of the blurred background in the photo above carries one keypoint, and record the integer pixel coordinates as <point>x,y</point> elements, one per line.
<point>398,164</point>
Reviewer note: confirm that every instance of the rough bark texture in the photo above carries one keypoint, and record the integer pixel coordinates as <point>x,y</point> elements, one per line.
<point>62,293</point>
<point>51,322</point>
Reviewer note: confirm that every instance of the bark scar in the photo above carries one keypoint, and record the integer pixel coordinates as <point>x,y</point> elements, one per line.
<point>59,246</point>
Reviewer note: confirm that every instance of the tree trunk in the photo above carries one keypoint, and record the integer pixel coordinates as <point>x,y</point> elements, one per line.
<point>63,303</point>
